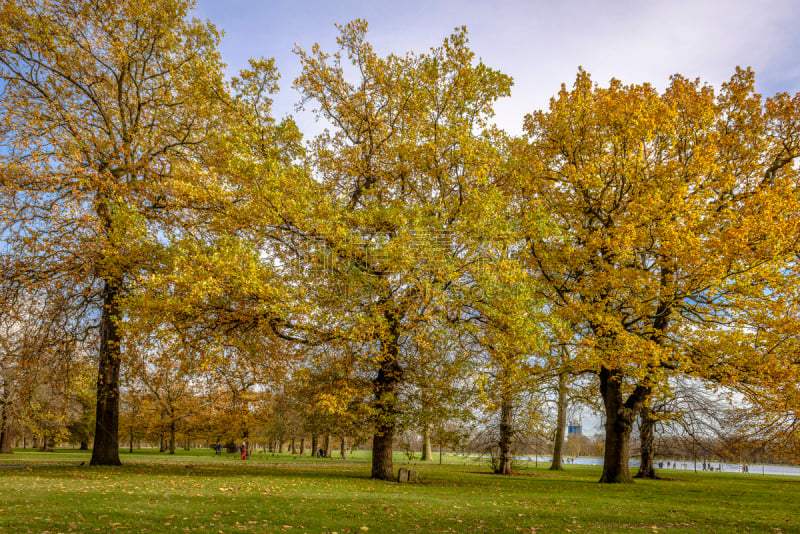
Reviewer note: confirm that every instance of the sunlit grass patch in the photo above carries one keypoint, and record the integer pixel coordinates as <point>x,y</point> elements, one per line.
<point>196,491</point>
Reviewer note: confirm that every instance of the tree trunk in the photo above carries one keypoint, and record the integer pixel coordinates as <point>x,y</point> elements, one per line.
<point>302,446</point>
<point>187,445</point>
<point>84,446</point>
<point>561,423</point>
<point>647,448</point>
<point>130,448</point>
<point>5,431</point>
<point>646,419</point>
<point>506,435</point>
<point>327,446</point>
<point>280,444</point>
<point>382,466</point>
<point>294,449</point>
<point>46,444</point>
<point>106,434</point>
<point>343,447</point>
<point>162,435</point>
<point>385,404</point>
<point>314,445</point>
<point>5,441</point>
<point>172,436</point>
<point>619,422</point>
<point>271,445</point>
<point>427,455</point>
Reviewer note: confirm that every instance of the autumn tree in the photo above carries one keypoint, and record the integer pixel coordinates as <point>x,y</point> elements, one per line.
<point>42,368</point>
<point>156,364</point>
<point>134,407</point>
<point>504,326</point>
<point>331,392</point>
<point>676,215</point>
<point>81,400</point>
<point>225,289</point>
<point>102,103</point>
<point>409,141</point>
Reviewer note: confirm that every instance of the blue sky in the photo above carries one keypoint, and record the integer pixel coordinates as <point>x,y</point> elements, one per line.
<point>539,43</point>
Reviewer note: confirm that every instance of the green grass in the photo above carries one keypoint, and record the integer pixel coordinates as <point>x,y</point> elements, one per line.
<point>198,491</point>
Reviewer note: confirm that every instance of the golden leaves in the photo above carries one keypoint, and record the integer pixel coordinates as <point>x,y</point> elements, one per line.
<point>674,212</point>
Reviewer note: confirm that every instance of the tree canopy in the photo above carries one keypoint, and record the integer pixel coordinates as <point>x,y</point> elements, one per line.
<point>411,266</point>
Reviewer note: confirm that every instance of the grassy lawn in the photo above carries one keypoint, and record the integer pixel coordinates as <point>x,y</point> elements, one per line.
<point>198,491</point>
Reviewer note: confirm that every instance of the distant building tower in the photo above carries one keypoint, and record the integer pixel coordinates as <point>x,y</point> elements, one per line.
<point>574,428</point>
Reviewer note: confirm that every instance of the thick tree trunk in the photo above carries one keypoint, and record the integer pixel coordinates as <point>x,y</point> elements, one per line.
<point>46,444</point>
<point>314,445</point>
<point>84,446</point>
<point>106,434</point>
<point>6,434</point>
<point>5,441</point>
<point>503,466</point>
<point>647,448</point>
<point>343,447</point>
<point>427,453</point>
<point>271,445</point>
<point>294,449</point>
<point>385,405</point>
<point>327,446</point>
<point>187,445</point>
<point>620,417</point>
<point>561,423</point>
<point>280,444</point>
<point>382,466</point>
<point>302,446</point>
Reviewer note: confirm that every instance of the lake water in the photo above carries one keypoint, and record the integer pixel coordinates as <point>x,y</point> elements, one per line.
<point>679,465</point>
